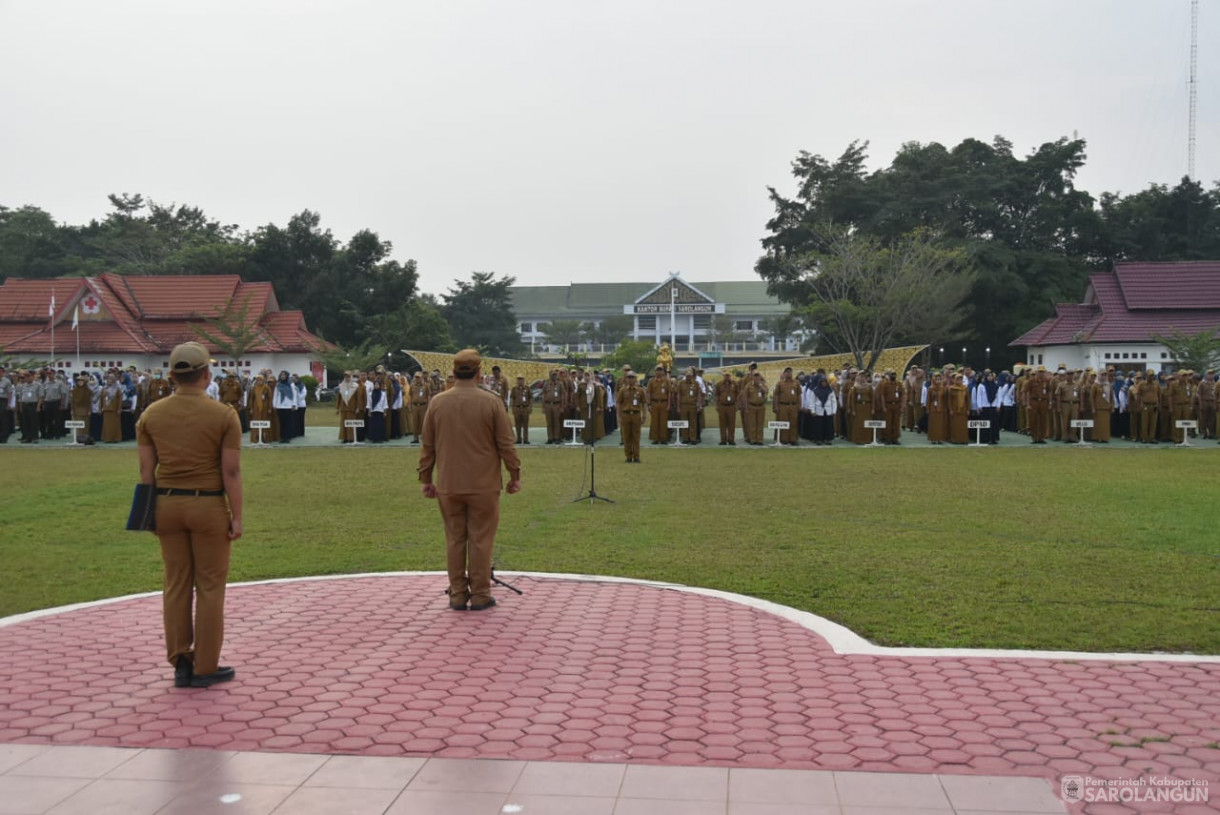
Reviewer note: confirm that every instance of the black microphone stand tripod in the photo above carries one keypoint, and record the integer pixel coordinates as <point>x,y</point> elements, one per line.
<point>592,495</point>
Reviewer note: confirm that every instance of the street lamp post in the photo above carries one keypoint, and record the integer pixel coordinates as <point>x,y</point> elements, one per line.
<point>988,352</point>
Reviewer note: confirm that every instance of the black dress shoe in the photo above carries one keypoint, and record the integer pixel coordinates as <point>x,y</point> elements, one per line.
<point>223,674</point>
<point>183,671</point>
<point>491,601</point>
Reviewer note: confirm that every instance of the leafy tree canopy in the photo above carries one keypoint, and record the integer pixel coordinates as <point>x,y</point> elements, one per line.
<point>480,315</point>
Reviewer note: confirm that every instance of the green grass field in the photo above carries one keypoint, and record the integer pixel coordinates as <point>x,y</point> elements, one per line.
<point>1104,549</point>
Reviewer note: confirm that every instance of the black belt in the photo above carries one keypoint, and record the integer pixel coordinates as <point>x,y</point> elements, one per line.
<point>195,493</point>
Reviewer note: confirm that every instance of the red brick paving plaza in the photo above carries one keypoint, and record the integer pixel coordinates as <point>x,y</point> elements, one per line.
<point>596,671</point>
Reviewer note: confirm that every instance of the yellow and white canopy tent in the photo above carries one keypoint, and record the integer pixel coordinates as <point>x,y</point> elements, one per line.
<point>895,359</point>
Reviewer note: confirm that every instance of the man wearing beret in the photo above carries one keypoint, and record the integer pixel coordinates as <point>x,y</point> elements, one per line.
<point>466,438</point>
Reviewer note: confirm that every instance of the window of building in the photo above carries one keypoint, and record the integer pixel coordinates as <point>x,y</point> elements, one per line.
<point>1164,355</point>
<point>1126,356</point>
<point>703,321</point>
<point>647,322</point>
<point>527,328</point>
<point>1107,354</point>
<point>1039,359</point>
<point>743,325</point>
<point>1143,356</point>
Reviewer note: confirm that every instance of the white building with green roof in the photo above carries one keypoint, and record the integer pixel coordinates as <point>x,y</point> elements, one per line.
<point>672,311</point>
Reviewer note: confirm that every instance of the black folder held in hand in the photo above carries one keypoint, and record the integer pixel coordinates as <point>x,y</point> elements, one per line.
<point>143,517</point>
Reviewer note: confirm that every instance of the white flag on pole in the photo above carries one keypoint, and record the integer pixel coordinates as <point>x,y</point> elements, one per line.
<point>75,316</point>
<point>51,310</point>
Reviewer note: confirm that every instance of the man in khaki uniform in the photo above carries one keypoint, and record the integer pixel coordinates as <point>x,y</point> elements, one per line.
<point>690,404</point>
<point>632,401</point>
<point>755,401</point>
<point>1205,405</point>
<point>1038,396</point>
<point>466,439</point>
<point>231,392</point>
<point>190,448</point>
<point>786,402</point>
<point>1181,403</point>
<point>888,400</point>
<point>159,388</point>
<point>555,395</point>
<point>419,392</point>
<point>1068,396</point>
<point>660,396</point>
<point>726,409</point>
<point>1148,394</point>
<point>82,406</point>
<point>522,400</point>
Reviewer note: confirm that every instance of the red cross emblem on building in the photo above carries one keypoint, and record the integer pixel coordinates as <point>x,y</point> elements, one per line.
<point>91,305</point>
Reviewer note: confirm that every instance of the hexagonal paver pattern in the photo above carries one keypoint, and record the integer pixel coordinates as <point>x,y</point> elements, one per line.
<point>592,671</point>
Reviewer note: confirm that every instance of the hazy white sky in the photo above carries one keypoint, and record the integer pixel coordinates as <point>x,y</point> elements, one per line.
<point>560,140</point>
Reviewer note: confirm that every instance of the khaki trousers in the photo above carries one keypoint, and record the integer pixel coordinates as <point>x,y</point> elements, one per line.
<point>690,414</point>
<point>1207,419</point>
<point>728,422</point>
<point>789,414</point>
<point>753,427</point>
<point>415,419</point>
<point>1068,413</point>
<point>893,423</point>
<point>1038,416</point>
<point>521,423</point>
<point>630,425</point>
<point>470,534</point>
<point>194,535</point>
<point>1148,422</point>
<point>659,429</point>
<point>554,420</point>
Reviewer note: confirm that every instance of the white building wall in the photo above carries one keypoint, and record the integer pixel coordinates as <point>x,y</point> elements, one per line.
<point>293,363</point>
<point>1129,356</point>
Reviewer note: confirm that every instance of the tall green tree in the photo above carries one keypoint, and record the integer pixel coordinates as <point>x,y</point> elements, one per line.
<point>480,314</point>
<point>142,237</point>
<point>416,325</point>
<point>33,245</point>
<point>1162,224</point>
<point>1029,236</point>
<point>867,291</point>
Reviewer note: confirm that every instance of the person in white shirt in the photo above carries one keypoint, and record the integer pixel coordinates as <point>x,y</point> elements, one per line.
<point>820,400</point>
<point>284,402</point>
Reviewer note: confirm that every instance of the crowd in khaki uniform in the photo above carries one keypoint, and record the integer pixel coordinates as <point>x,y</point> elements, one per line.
<point>1142,407</point>
<point>819,406</point>
<point>39,403</point>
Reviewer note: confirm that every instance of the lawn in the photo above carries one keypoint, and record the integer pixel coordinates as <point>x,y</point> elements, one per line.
<point>1059,548</point>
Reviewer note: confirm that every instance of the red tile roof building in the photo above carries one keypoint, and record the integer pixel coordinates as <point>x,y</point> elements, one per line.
<point>134,320</point>
<point>1121,313</point>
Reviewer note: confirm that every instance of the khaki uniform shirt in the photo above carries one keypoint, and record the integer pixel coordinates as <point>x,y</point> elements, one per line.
<point>466,437</point>
<point>188,431</point>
